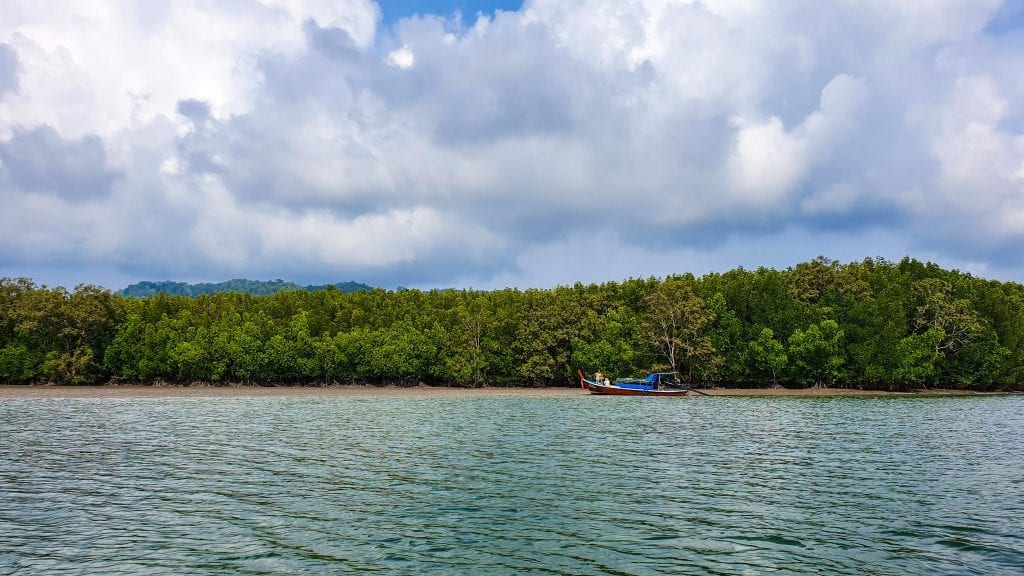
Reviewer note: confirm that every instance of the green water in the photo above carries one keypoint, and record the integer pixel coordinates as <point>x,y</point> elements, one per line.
<point>504,485</point>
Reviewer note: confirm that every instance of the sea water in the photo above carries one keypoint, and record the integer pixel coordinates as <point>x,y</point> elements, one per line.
<point>512,485</point>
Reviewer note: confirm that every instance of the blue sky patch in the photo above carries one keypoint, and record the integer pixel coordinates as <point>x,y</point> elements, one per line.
<point>395,10</point>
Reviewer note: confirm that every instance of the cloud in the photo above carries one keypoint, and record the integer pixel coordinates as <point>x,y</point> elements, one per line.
<point>100,66</point>
<point>403,57</point>
<point>8,69</point>
<point>769,162</point>
<point>39,160</point>
<point>195,110</point>
<point>194,141</point>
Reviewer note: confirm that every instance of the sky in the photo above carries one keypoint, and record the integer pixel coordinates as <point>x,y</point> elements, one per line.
<point>485,144</point>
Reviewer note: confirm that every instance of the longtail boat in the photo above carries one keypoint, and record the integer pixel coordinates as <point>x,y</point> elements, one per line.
<point>655,384</point>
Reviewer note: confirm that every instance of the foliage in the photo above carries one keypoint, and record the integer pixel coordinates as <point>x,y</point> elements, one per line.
<point>766,355</point>
<point>817,353</point>
<point>873,323</point>
<point>676,321</point>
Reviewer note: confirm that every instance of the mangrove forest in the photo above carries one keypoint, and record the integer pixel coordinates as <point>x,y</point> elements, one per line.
<point>873,324</point>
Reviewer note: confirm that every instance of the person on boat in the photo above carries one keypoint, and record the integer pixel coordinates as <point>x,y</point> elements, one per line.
<point>601,379</point>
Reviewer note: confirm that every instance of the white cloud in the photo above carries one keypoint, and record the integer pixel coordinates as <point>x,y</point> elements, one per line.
<point>290,137</point>
<point>403,58</point>
<point>98,67</point>
<point>769,163</point>
<point>979,158</point>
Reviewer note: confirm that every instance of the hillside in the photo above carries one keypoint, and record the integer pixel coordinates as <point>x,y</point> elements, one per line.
<point>255,287</point>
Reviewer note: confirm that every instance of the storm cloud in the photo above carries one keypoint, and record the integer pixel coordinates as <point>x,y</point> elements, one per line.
<point>589,141</point>
<point>39,160</point>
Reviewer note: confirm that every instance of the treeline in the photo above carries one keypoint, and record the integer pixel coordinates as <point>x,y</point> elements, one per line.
<point>870,324</point>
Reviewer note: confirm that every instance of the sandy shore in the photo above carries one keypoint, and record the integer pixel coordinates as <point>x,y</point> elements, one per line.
<point>15,392</point>
<point>271,392</point>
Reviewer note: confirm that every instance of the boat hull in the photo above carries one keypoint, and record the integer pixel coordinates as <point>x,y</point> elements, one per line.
<point>613,390</point>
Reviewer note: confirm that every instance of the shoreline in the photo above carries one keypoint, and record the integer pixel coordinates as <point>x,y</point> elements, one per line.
<point>172,391</point>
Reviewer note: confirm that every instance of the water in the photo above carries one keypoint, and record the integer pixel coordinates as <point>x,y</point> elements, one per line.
<point>505,485</point>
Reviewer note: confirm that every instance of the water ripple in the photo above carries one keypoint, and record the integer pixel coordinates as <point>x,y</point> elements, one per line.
<point>510,485</point>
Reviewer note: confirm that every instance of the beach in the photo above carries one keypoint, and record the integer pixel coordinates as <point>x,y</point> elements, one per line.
<point>242,391</point>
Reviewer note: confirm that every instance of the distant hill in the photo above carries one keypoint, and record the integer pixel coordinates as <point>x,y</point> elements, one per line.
<point>255,287</point>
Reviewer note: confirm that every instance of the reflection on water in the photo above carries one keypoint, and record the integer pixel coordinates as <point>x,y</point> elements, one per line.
<point>504,485</point>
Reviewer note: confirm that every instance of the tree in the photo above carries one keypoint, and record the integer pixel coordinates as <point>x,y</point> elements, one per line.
<point>676,323</point>
<point>466,359</point>
<point>400,353</point>
<point>917,357</point>
<point>548,324</point>
<point>614,348</point>
<point>809,281</point>
<point>767,354</point>
<point>817,352</point>
<point>953,317</point>
<point>870,323</point>
<point>17,363</point>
